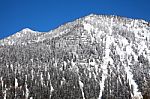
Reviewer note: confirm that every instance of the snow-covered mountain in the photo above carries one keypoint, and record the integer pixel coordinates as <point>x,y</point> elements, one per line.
<point>94,57</point>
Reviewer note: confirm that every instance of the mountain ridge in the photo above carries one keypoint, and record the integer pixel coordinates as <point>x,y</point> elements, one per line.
<point>90,15</point>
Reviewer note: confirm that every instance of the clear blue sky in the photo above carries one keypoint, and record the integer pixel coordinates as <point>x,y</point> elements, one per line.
<point>44,15</point>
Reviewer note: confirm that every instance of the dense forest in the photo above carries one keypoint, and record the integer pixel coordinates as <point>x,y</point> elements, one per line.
<point>94,57</point>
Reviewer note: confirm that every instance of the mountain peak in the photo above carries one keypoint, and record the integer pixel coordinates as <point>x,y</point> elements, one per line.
<point>92,14</point>
<point>27,30</point>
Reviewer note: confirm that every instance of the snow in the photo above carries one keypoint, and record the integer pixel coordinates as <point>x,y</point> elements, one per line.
<point>120,52</point>
<point>124,41</point>
<point>129,51</point>
<point>16,83</point>
<point>2,82</point>
<point>5,95</point>
<point>52,89</point>
<point>62,81</point>
<point>88,27</point>
<point>90,74</point>
<point>81,87</point>
<point>65,64</point>
<point>106,59</point>
<point>32,74</point>
<point>27,91</point>
<point>72,63</point>
<point>132,82</point>
<point>141,47</point>
<point>39,39</point>
<point>42,81</point>
<point>96,68</point>
<point>27,30</point>
<point>48,76</point>
<point>92,63</point>
<point>31,97</point>
<point>11,66</point>
<point>110,27</point>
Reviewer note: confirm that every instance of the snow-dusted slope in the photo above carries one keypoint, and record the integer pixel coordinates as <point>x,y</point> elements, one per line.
<point>94,57</point>
<point>21,38</point>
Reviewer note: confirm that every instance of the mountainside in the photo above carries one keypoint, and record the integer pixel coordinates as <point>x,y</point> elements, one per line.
<point>94,57</point>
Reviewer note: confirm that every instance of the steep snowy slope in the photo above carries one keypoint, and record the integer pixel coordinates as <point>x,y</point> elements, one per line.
<point>94,57</point>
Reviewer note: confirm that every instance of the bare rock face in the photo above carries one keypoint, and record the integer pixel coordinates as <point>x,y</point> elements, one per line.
<point>94,57</point>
